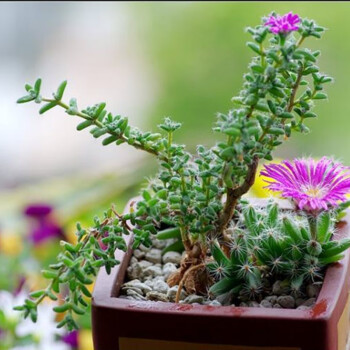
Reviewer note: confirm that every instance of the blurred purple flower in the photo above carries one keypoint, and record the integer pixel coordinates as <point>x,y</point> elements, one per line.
<point>283,24</point>
<point>313,185</point>
<point>71,339</point>
<point>44,226</point>
<point>38,210</point>
<point>20,285</point>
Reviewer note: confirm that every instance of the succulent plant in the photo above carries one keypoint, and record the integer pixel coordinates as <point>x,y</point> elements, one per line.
<point>275,244</point>
<point>197,196</point>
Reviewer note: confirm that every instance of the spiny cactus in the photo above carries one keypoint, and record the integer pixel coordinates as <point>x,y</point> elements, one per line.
<point>274,243</point>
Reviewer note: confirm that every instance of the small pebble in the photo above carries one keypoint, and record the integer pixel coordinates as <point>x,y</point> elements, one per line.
<point>159,244</point>
<point>133,260</point>
<point>280,287</point>
<point>299,301</point>
<point>144,264</point>
<point>139,254</point>
<point>303,307</point>
<point>253,304</point>
<point>272,299</point>
<point>172,293</point>
<point>154,256</point>
<point>138,285</point>
<point>310,302</point>
<point>134,271</point>
<point>135,295</point>
<point>152,271</point>
<point>225,299</point>
<point>193,298</point>
<point>313,290</point>
<point>144,248</point>
<point>156,296</point>
<point>265,303</point>
<point>286,301</point>
<point>172,257</point>
<point>160,286</point>
<point>150,283</point>
<point>168,269</point>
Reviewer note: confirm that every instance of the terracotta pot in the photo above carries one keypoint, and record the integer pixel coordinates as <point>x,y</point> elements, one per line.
<point>120,324</point>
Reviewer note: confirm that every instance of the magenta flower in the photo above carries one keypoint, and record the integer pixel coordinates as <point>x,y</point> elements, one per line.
<point>313,185</point>
<point>283,24</point>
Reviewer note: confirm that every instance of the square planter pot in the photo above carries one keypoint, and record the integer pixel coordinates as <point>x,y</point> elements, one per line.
<point>120,324</point>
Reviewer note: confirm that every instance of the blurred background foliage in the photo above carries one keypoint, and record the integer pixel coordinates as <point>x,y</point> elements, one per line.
<point>200,56</point>
<point>147,61</point>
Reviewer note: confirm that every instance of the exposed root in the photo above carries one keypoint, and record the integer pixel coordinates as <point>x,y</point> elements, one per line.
<point>183,280</point>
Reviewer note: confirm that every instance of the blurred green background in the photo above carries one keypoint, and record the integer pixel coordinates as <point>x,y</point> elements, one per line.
<point>199,53</point>
<point>147,61</point>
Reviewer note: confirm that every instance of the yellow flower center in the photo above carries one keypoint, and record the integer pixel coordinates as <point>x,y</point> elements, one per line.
<point>315,192</point>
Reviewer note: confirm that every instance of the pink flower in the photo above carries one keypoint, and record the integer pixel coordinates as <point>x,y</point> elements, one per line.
<point>283,24</point>
<point>313,185</point>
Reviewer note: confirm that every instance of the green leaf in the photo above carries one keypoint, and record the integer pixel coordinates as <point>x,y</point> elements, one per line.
<point>254,47</point>
<point>26,99</point>
<point>37,86</point>
<point>223,286</point>
<point>257,68</point>
<point>338,249</point>
<point>276,92</point>
<point>85,291</point>
<point>292,230</point>
<point>273,215</point>
<point>77,309</point>
<point>60,91</point>
<point>62,308</point>
<point>219,256</point>
<point>85,124</point>
<point>320,96</point>
<point>309,115</point>
<point>28,87</point>
<point>272,106</point>
<point>331,259</point>
<point>286,115</point>
<point>33,315</point>
<point>227,175</point>
<point>308,56</point>
<point>37,294</point>
<point>227,153</point>
<point>49,274</point>
<point>46,107</point>
<point>275,131</point>
<point>109,140</point>
<point>173,232</point>
<point>323,225</point>
<point>232,132</point>
<point>177,246</point>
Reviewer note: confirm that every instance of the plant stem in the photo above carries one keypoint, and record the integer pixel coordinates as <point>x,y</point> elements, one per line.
<point>294,90</point>
<point>100,125</point>
<point>312,219</point>
<point>233,194</point>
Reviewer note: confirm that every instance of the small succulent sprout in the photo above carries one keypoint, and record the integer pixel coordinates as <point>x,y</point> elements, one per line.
<point>314,248</point>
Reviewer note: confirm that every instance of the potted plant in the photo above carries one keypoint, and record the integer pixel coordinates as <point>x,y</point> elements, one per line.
<point>192,265</point>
